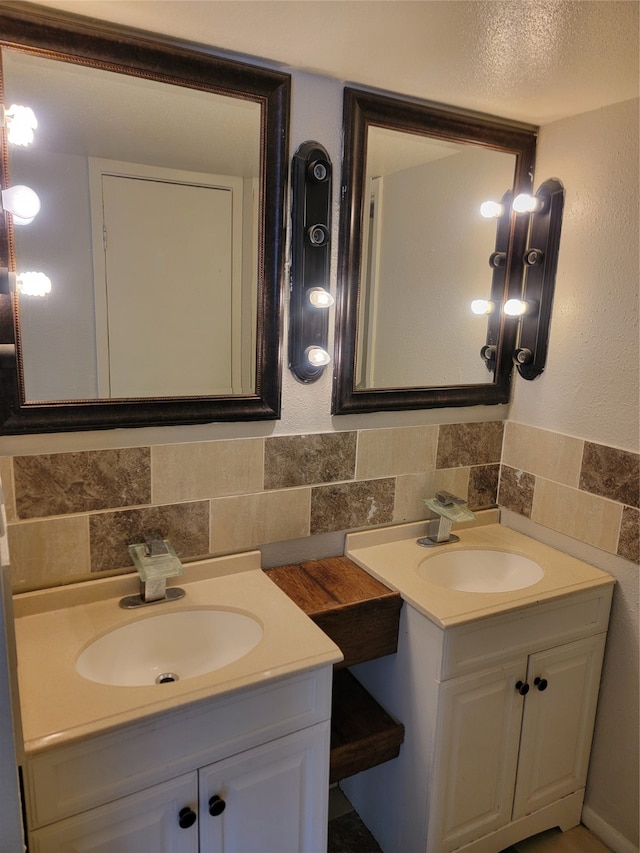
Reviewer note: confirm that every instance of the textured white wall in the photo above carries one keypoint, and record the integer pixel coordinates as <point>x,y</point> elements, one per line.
<point>590,390</point>
<point>590,386</point>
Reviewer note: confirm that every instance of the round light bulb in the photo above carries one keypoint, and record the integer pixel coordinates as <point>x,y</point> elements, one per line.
<point>491,209</point>
<point>515,307</point>
<point>33,283</point>
<point>482,306</point>
<point>320,298</point>
<point>317,356</point>
<point>525,203</point>
<point>22,202</point>
<point>21,122</point>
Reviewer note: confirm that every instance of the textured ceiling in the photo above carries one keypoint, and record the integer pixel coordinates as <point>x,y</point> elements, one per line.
<point>531,60</point>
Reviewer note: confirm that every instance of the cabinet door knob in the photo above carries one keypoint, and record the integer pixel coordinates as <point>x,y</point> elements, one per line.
<point>186,817</point>
<point>216,805</point>
<point>522,687</point>
<point>540,683</point>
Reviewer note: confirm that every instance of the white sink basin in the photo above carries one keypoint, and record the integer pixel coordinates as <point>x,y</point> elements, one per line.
<point>480,570</point>
<point>169,647</point>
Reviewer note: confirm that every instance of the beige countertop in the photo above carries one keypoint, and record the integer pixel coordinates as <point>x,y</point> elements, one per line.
<point>53,626</point>
<point>392,555</point>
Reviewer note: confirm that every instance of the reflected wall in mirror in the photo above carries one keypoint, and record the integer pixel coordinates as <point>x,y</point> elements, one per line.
<point>414,252</point>
<point>161,171</point>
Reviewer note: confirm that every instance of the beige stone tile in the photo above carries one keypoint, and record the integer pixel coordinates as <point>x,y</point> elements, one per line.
<point>412,488</point>
<point>388,452</point>
<point>207,469</point>
<point>247,521</point>
<point>48,552</point>
<point>547,454</point>
<point>6,475</point>
<point>586,517</point>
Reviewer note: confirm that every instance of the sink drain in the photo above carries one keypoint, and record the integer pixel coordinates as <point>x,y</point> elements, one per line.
<point>167,678</point>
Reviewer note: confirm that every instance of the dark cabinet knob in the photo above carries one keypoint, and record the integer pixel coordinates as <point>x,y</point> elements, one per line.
<point>216,805</point>
<point>540,683</point>
<point>186,817</point>
<point>522,687</point>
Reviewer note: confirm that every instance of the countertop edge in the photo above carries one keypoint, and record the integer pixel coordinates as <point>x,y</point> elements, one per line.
<point>200,696</point>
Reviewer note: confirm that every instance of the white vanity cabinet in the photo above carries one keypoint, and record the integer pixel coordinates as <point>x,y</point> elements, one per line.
<point>266,792</point>
<point>146,821</point>
<point>513,739</point>
<point>499,715</point>
<point>262,800</point>
<point>270,797</point>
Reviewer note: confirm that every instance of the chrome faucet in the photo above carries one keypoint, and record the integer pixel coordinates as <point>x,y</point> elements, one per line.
<point>155,561</point>
<point>449,508</point>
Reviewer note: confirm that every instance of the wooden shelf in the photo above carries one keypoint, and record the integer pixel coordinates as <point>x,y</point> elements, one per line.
<point>360,614</point>
<point>362,617</point>
<point>362,733</point>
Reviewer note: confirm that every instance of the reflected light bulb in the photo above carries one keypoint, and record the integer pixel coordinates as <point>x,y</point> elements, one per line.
<point>22,202</point>
<point>317,356</point>
<point>525,203</point>
<point>482,306</point>
<point>515,307</point>
<point>491,209</point>
<point>20,123</point>
<point>33,283</point>
<point>320,298</point>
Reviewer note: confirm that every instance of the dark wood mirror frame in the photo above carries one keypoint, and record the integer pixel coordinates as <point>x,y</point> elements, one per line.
<point>48,33</point>
<point>362,109</point>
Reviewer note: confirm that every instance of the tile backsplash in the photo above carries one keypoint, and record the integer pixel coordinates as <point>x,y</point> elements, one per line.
<point>73,514</point>
<point>585,490</point>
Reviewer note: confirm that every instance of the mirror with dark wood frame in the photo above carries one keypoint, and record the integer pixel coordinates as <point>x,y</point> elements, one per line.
<point>162,169</point>
<point>414,251</point>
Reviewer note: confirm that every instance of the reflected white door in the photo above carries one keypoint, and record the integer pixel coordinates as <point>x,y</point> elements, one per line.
<point>170,307</point>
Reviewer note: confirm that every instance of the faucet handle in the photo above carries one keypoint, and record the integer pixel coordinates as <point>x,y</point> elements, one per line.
<point>447,499</point>
<point>154,544</point>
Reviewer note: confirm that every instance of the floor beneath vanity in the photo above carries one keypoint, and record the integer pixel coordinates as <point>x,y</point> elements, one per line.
<point>348,834</point>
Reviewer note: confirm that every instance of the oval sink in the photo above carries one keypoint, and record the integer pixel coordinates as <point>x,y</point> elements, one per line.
<point>169,647</point>
<point>480,570</point>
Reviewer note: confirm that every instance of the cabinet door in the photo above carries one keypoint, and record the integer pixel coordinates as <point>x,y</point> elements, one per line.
<point>479,720</point>
<point>271,799</point>
<point>146,822</point>
<point>558,723</point>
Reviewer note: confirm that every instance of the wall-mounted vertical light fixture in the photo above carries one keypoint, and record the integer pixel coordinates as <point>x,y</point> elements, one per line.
<point>310,299</point>
<point>541,263</point>
<point>501,211</point>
